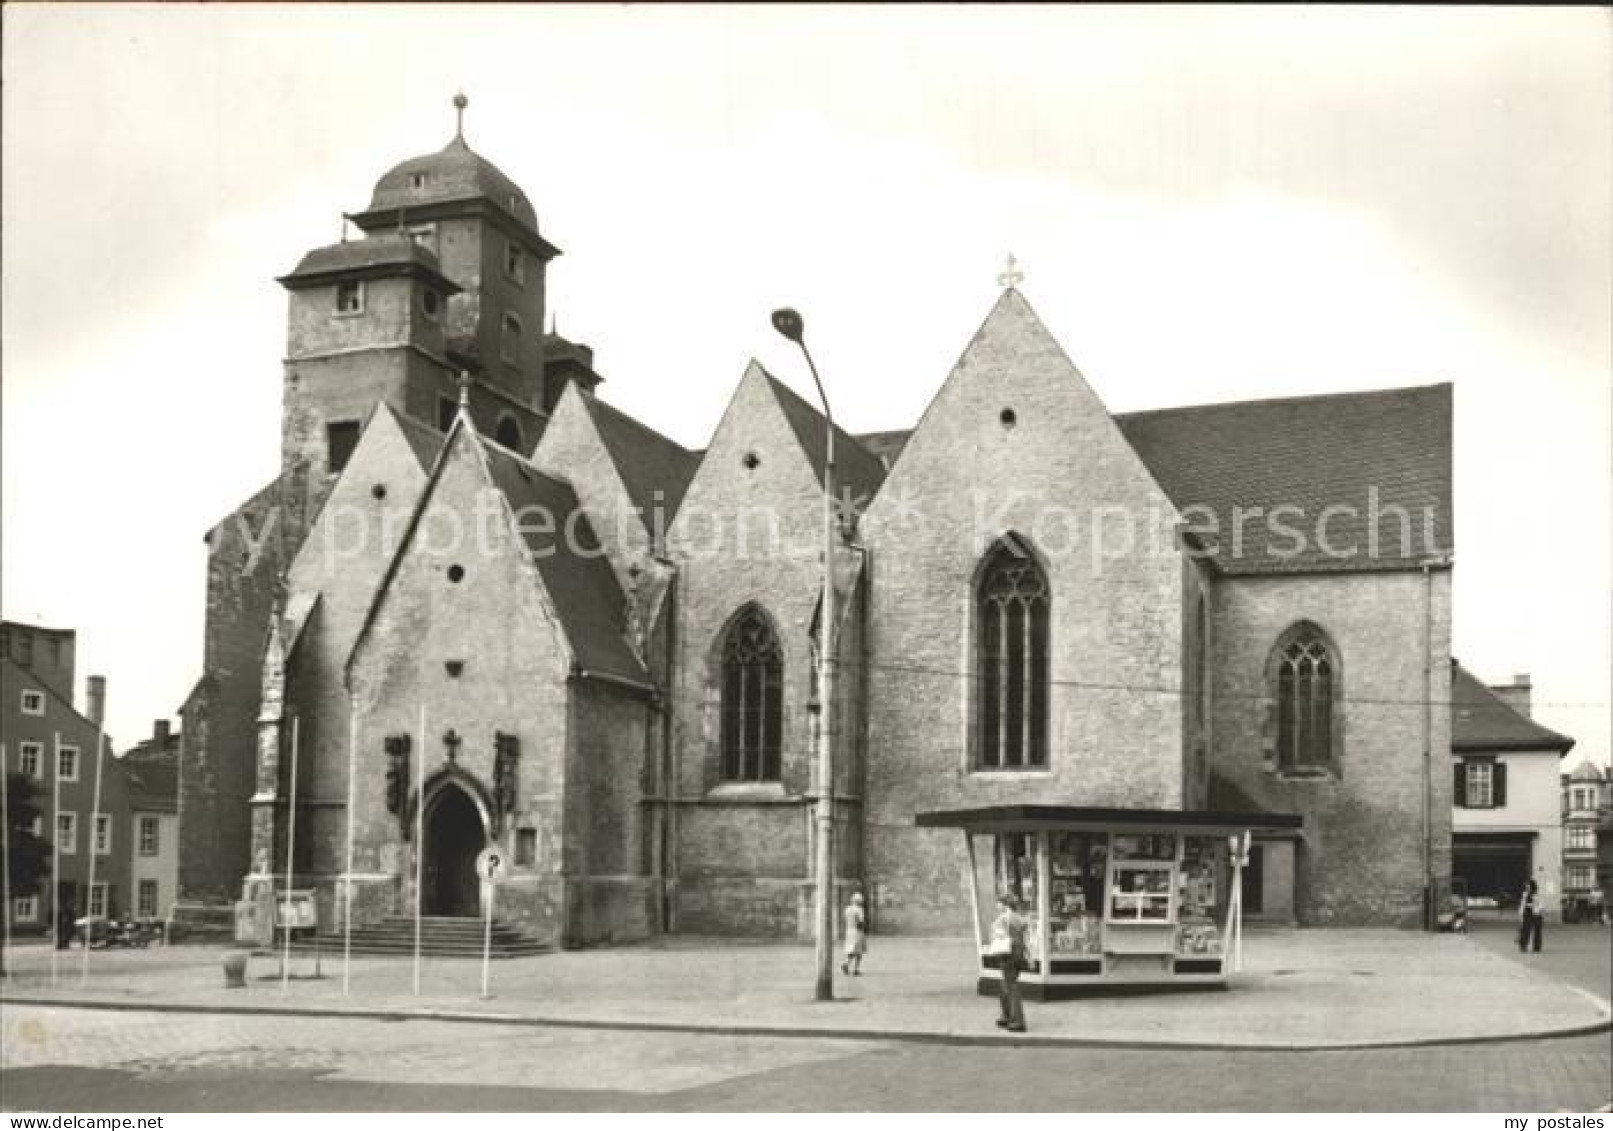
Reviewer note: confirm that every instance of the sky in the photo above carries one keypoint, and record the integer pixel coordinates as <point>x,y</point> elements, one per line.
<point>1208,204</point>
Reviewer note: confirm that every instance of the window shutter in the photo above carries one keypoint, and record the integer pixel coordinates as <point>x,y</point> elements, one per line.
<point>1499,791</point>
<point>1459,795</point>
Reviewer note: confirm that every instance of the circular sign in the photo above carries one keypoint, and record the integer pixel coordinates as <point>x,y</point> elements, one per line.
<point>492,863</point>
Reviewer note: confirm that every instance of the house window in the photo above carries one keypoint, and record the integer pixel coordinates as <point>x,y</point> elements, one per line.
<point>514,262</point>
<point>752,699</point>
<point>1580,878</point>
<point>509,433</point>
<point>1580,837</point>
<point>425,235</point>
<point>33,703</point>
<point>146,907</point>
<point>67,763</point>
<point>28,758</point>
<point>341,437</point>
<point>350,298</point>
<point>526,848</point>
<point>417,180</point>
<point>150,836</point>
<point>103,834</point>
<point>67,833</point>
<point>1584,798</point>
<point>447,409</point>
<point>1480,785</point>
<point>1011,614</point>
<point>510,343</point>
<point>430,303</point>
<point>1305,677</point>
<point>25,909</point>
<point>97,900</point>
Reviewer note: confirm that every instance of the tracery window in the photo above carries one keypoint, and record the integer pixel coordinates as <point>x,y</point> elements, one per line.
<point>1305,671</point>
<point>1011,617</point>
<point>752,699</point>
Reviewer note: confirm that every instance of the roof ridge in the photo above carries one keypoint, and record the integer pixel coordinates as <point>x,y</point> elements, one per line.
<point>595,402</point>
<point>1302,398</point>
<point>810,407</point>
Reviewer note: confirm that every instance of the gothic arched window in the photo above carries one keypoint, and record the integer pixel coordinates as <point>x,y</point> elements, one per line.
<point>1306,688</point>
<point>1011,616</point>
<point>752,699</point>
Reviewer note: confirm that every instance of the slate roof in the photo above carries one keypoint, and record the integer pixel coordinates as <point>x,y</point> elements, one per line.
<point>386,254</point>
<point>1312,453</point>
<point>153,775</point>
<point>586,597</point>
<point>453,174</point>
<point>424,440</point>
<point>1482,720</point>
<point>646,460</point>
<point>1586,771</point>
<point>856,468</point>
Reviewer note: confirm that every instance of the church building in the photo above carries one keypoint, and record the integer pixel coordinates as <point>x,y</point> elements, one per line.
<point>479,606</point>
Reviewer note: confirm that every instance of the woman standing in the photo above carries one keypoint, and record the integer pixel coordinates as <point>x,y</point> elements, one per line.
<point>1531,922</point>
<point>856,936</point>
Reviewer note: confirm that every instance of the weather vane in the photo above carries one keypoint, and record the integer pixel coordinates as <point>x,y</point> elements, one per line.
<point>1011,276</point>
<point>460,102</point>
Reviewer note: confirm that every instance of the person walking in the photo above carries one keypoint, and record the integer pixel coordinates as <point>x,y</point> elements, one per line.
<point>856,936</point>
<point>1008,945</point>
<point>1532,921</point>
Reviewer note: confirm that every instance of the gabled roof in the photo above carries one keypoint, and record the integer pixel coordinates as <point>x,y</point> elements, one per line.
<point>645,460</point>
<point>424,440</point>
<point>580,582</point>
<point>1313,453</point>
<point>857,470</point>
<point>34,683</point>
<point>1586,771</point>
<point>153,775</point>
<point>1482,721</point>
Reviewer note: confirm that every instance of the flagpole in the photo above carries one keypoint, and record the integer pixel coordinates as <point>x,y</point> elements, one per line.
<point>5,865</point>
<point>95,819</point>
<point>347,917</point>
<point>419,846</point>
<point>291,846</point>
<point>56,851</point>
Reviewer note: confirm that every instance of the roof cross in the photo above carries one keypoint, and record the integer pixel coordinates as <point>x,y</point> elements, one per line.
<point>1011,275</point>
<point>451,740</point>
<point>464,388</point>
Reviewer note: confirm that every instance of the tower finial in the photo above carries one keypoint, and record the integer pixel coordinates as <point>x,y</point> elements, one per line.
<point>1011,275</point>
<point>460,102</point>
<point>464,389</point>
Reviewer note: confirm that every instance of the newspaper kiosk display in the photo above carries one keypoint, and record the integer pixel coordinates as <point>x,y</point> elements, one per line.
<point>1111,896</point>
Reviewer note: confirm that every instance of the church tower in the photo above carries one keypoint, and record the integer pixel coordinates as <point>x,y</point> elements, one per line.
<point>448,279</point>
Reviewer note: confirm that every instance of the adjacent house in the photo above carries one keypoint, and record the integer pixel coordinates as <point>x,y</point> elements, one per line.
<point>152,767</point>
<point>1586,800</point>
<point>1506,822</point>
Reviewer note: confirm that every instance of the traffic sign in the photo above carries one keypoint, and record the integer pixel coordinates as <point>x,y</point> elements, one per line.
<point>492,863</point>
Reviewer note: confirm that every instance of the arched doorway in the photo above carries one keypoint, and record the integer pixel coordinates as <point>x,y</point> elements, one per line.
<point>454,835</point>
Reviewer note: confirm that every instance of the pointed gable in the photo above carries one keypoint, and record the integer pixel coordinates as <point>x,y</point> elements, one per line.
<point>655,470</point>
<point>1482,721</point>
<point>857,470</point>
<point>540,520</point>
<point>1015,402</point>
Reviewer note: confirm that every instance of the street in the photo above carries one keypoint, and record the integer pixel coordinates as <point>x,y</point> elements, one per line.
<point>81,1060</point>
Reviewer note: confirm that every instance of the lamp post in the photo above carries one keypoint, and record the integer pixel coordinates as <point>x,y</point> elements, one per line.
<point>789,323</point>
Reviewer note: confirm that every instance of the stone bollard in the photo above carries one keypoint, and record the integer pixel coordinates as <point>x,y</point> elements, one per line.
<point>235,970</point>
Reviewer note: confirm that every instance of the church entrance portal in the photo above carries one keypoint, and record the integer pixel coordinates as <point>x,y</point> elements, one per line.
<point>454,835</point>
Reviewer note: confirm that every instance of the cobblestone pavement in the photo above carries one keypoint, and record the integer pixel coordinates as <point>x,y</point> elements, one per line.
<point>84,1060</point>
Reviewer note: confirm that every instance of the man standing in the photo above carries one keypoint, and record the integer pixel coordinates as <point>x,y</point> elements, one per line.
<point>1008,942</point>
<point>1532,922</point>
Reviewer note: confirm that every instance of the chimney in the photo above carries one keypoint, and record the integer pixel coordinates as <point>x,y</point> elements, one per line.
<point>159,735</point>
<point>95,699</point>
<point>1517,694</point>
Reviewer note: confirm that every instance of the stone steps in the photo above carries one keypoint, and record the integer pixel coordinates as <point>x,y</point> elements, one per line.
<point>440,937</point>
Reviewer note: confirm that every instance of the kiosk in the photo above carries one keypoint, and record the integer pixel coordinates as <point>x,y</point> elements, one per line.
<point>1113,896</point>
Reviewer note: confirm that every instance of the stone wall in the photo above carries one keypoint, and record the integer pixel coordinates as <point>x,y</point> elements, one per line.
<point>1361,858</point>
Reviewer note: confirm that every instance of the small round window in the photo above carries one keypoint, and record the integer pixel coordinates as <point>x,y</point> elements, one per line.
<point>751,461</point>
<point>1008,417</point>
<point>456,573</point>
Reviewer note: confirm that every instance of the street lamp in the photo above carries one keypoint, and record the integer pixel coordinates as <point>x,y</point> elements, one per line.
<point>789,323</point>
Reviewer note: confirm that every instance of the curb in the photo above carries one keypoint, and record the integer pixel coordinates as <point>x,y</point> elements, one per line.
<point>909,1036</point>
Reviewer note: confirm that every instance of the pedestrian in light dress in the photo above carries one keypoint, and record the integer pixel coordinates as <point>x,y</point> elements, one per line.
<point>856,936</point>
